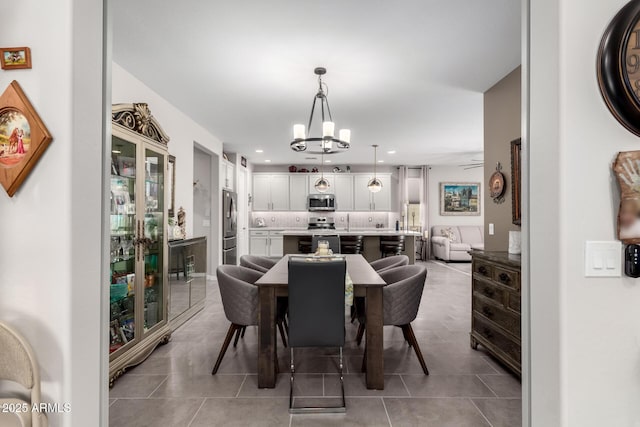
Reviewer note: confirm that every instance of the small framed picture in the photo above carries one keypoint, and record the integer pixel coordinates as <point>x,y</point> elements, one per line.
<point>13,58</point>
<point>243,161</point>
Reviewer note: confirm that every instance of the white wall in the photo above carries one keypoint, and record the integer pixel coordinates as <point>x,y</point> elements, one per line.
<point>585,333</point>
<point>438,174</point>
<point>182,131</point>
<point>50,251</point>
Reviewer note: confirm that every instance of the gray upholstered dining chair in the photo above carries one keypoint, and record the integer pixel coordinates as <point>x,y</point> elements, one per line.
<point>18,364</point>
<point>240,303</point>
<point>258,263</point>
<point>401,300</point>
<point>382,264</point>
<point>316,314</point>
<point>333,239</point>
<point>379,265</point>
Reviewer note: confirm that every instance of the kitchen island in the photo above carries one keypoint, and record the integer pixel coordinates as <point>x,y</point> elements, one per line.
<point>370,241</point>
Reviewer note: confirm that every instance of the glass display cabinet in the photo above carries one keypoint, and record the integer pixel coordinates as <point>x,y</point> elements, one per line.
<point>138,241</point>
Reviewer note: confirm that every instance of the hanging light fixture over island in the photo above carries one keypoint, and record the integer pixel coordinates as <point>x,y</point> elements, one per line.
<point>374,185</point>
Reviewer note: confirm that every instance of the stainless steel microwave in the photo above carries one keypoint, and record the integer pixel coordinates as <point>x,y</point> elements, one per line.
<point>321,202</point>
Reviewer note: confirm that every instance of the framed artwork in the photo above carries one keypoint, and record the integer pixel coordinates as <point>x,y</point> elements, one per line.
<point>13,58</point>
<point>516,181</point>
<point>627,171</point>
<point>460,198</point>
<point>171,164</point>
<point>23,138</point>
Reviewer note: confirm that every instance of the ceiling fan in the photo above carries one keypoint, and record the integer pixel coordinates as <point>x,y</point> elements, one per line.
<point>479,163</point>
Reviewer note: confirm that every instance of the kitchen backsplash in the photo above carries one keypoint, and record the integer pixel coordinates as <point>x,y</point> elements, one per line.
<point>289,220</point>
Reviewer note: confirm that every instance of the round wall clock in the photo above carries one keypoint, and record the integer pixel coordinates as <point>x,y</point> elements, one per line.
<point>619,66</point>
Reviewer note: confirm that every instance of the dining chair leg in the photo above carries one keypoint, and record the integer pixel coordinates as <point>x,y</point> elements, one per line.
<point>364,361</point>
<point>416,347</point>
<point>404,333</point>
<point>360,333</point>
<point>232,328</point>
<point>282,335</point>
<point>244,329</point>
<point>238,331</point>
<point>354,315</point>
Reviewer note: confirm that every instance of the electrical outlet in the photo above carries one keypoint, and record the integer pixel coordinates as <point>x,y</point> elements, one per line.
<point>370,219</point>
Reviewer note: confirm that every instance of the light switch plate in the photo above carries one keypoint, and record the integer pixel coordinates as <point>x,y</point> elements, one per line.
<point>492,229</point>
<point>603,259</point>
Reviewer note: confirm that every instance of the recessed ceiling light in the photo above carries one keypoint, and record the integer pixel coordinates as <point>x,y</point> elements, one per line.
<point>267,161</point>
<point>259,151</point>
<point>391,152</point>
<point>311,158</point>
<point>116,151</point>
<point>380,161</point>
<point>327,161</point>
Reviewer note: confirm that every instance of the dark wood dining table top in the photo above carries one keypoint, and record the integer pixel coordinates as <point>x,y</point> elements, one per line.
<point>361,273</point>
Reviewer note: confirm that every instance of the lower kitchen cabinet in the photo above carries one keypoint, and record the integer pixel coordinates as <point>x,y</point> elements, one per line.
<point>266,242</point>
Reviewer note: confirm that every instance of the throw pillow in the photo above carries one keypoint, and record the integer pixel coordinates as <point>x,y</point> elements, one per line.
<point>449,234</point>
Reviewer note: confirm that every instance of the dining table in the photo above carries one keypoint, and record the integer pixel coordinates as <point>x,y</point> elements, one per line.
<point>366,283</point>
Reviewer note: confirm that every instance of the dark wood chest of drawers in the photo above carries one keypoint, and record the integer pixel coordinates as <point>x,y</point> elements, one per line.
<point>495,302</point>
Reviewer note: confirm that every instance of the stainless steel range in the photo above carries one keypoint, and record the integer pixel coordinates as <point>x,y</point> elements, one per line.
<point>321,223</point>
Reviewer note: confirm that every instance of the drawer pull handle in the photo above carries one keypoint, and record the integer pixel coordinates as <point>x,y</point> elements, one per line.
<point>483,270</point>
<point>504,278</point>
<point>487,311</point>
<point>488,292</point>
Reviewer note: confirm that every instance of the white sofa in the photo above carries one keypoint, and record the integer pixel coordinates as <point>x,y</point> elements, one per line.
<point>463,239</point>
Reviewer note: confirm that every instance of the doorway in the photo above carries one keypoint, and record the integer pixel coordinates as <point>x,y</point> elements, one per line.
<point>243,212</point>
<point>204,215</point>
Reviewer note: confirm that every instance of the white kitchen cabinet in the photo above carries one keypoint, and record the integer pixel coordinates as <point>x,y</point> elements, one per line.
<point>344,191</point>
<point>364,200</point>
<point>298,192</point>
<point>266,242</point>
<point>227,175</point>
<point>270,192</point>
<point>315,176</point>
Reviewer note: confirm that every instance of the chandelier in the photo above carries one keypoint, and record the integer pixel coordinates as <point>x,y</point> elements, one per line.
<point>328,143</point>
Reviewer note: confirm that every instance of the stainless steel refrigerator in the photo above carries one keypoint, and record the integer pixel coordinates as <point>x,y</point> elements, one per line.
<point>229,227</point>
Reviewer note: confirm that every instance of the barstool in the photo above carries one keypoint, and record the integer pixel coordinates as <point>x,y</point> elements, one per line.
<point>351,244</point>
<point>391,245</point>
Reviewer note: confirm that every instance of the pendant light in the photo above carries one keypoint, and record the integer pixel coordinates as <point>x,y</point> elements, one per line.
<point>322,184</point>
<point>374,185</point>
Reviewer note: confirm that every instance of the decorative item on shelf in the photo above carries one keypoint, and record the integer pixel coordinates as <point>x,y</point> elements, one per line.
<point>618,66</point>
<point>374,185</point>
<point>182,222</point>
<point>302,141</point>
<point>496,185</point>
<point>293,168</point>
<point>303,170</point>
<point>627,173</point>
<point>460,198</point>
<point>516,180</point>
<point>314,170</point>
<point>14,58</point>
<point>224,156</point>
<point>23,138</point>
<point>243,161</point>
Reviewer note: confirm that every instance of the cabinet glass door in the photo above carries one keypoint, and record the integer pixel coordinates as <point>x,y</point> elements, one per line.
<point>122,244</point>
<point>154,242</point>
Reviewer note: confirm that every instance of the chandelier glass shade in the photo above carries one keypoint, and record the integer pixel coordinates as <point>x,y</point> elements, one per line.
<point>374,185</point>
<point>327,143</point>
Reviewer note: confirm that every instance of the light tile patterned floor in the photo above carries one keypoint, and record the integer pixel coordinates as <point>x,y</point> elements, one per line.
<point>174,387</point>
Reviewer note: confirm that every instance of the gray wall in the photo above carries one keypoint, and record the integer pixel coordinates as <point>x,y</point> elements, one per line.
<point>501,126</point>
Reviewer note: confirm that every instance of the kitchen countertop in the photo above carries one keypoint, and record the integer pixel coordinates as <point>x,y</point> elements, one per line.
<point>343,232</point>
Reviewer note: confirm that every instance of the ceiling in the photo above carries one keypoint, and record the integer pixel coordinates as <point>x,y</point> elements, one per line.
<point>407,75</point>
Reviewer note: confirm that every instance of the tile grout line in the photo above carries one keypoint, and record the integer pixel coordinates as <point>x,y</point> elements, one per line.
<point>241,384</point>
<point>196,414</point>
<point>156,389</point>
<point>481,413</point>
<point>487,385</point>
<point>405,386</point>
<point>386,412</point>
<point>442,264</point>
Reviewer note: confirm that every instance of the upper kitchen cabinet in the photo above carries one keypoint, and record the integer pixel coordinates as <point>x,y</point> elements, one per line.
<point>298,192</point>
<point>343,190</point>
<point>270,192</point>
<point>364,200</point>
<point>316,176</point>
<point>227,175</point>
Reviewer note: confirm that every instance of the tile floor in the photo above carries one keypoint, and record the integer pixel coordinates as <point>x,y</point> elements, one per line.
<point>174,386</point>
